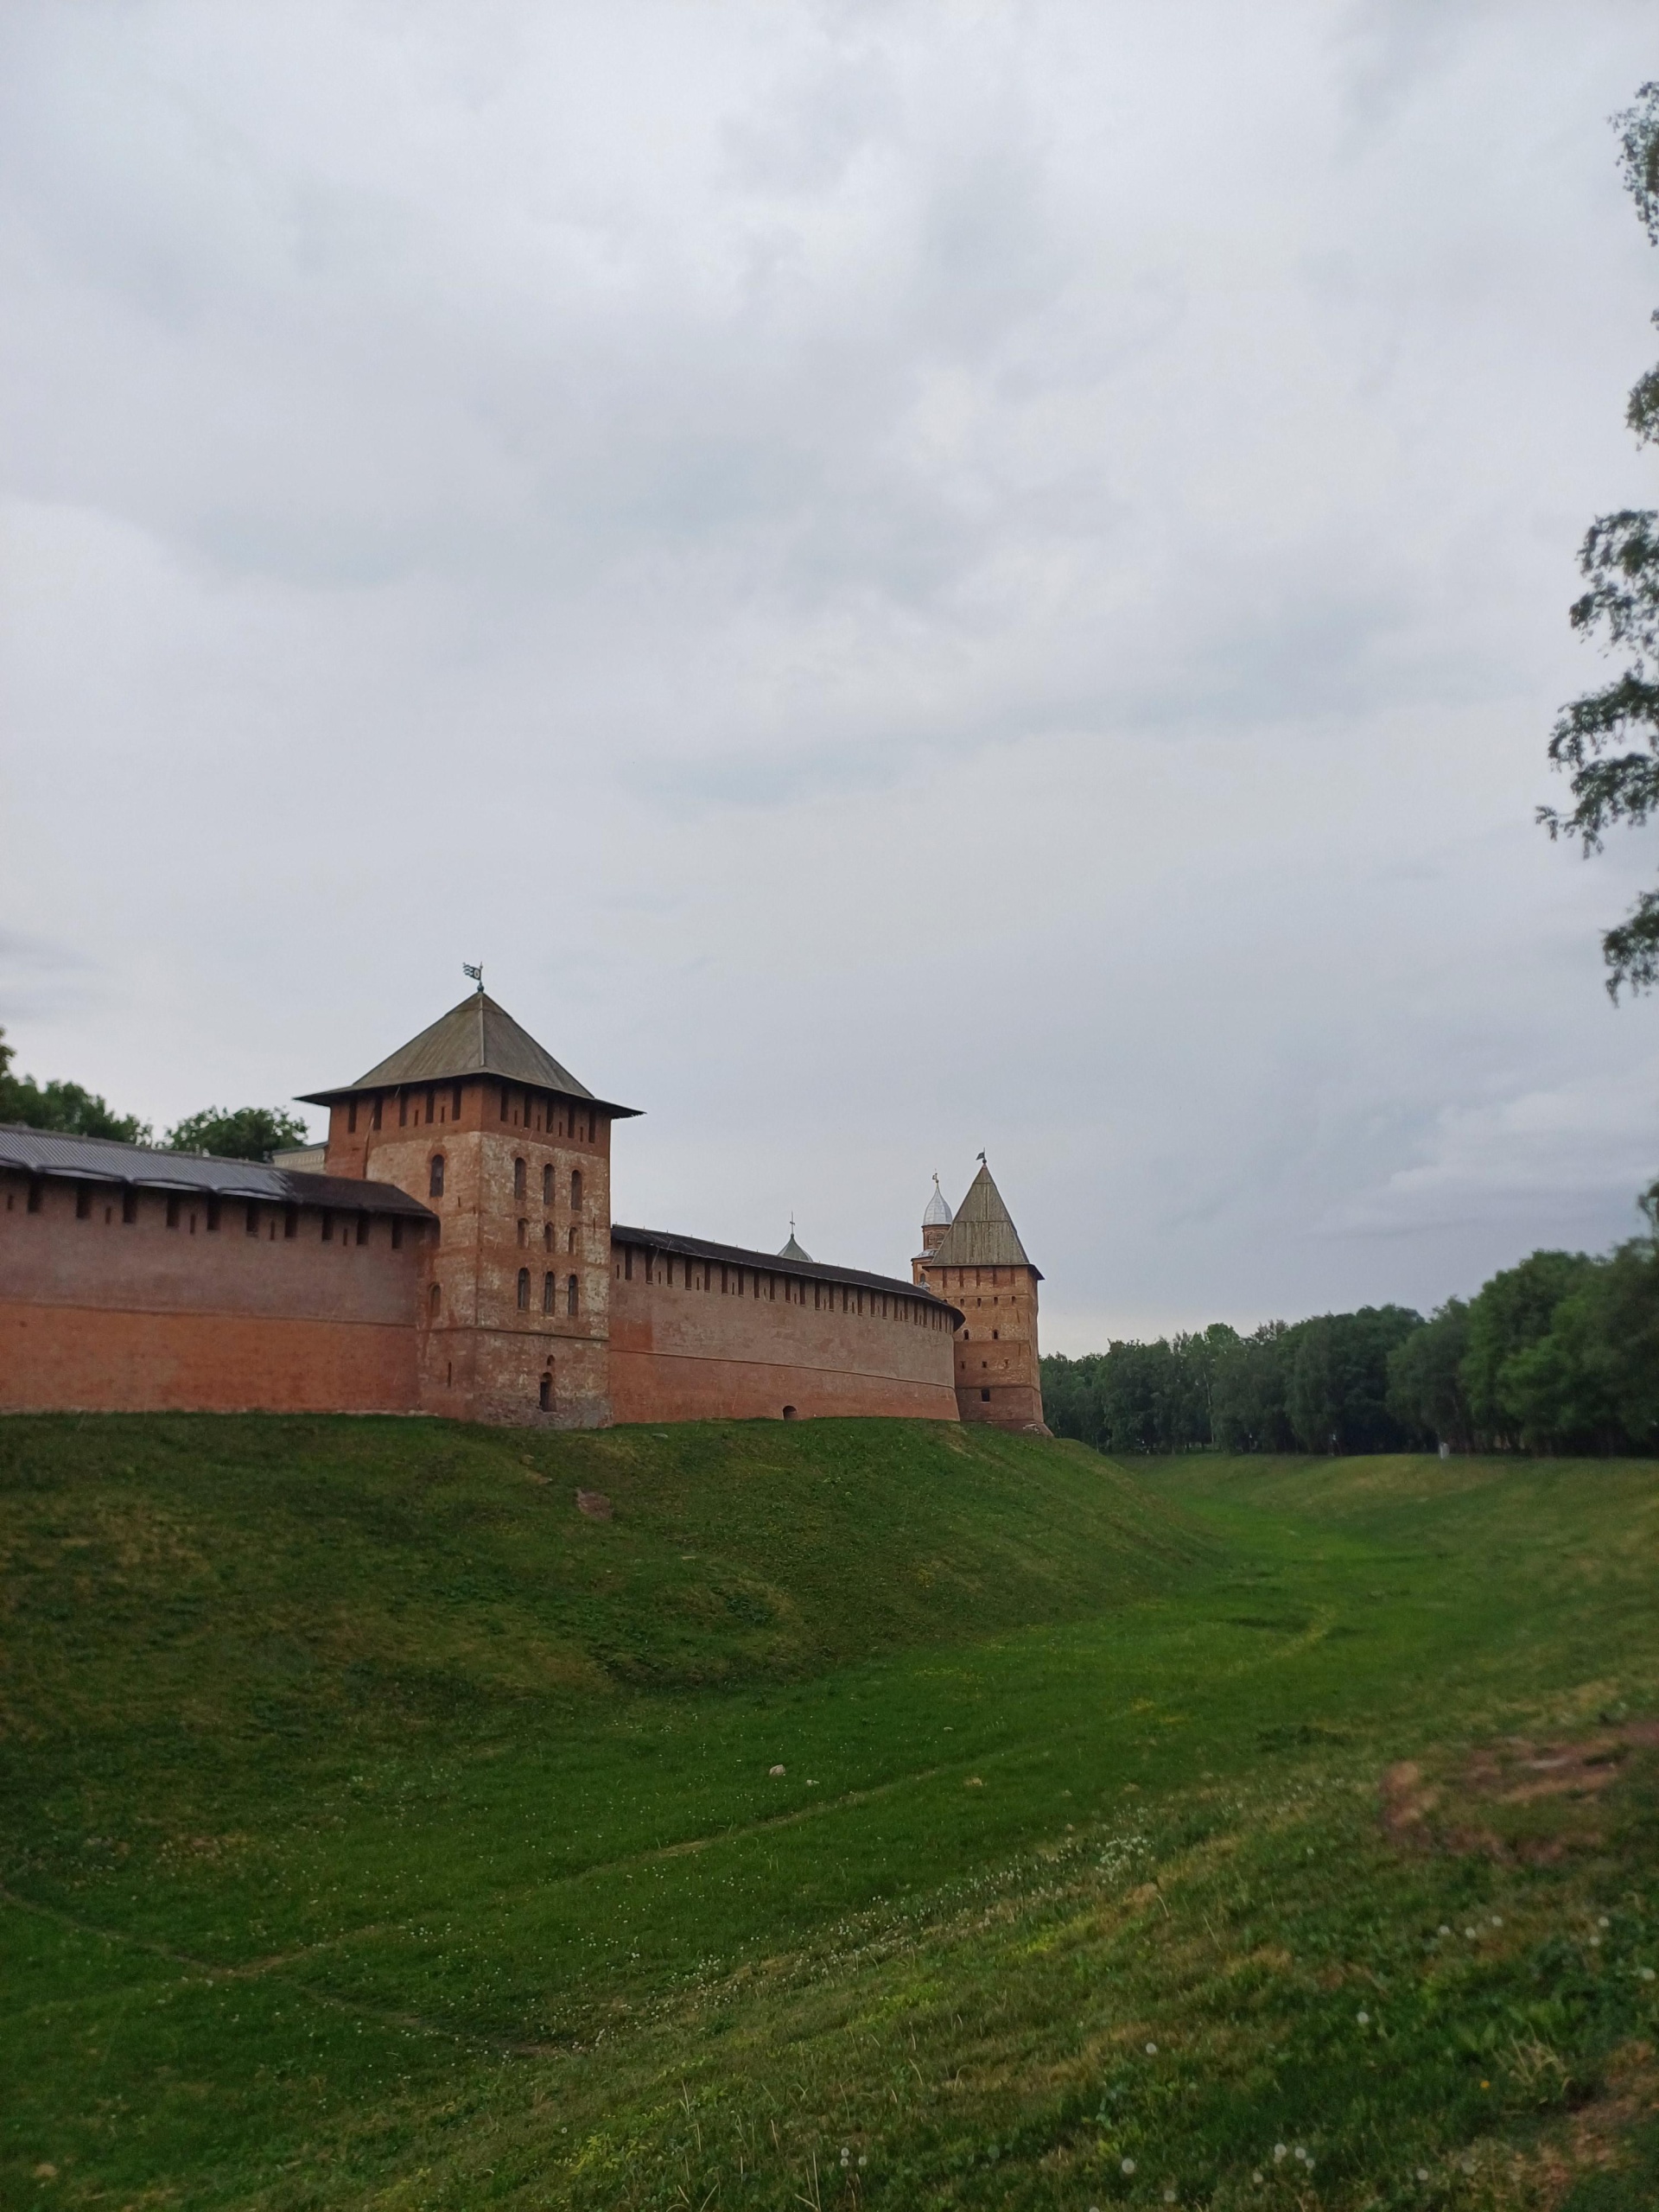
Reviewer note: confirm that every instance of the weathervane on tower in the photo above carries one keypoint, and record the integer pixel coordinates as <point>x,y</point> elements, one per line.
<point>477,975</point>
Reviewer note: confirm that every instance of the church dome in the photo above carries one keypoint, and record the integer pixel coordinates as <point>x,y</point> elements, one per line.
<point>938,1214</point>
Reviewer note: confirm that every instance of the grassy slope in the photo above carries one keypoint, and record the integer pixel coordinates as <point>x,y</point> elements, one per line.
<point>385,1831</point>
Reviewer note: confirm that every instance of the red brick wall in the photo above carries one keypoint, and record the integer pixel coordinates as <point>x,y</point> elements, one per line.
<point>996,1346</point>
<point>109,1315</point>
<point>680,1352</point>
<point>483,1357</point>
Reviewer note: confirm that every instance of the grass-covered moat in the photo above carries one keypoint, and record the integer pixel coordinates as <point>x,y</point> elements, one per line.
<point>380,1829</point>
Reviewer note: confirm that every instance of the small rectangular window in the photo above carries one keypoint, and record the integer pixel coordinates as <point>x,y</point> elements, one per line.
<point>431,1106</point>
<point>593,1125</point>
<point>362,1229</point>
<point>628,1263</point>
<point>83,1202</point>
<point>403,1109</point>
<point>327,1227</point>
<point>505,1108</point>
<point>213,1213</point>
<point>34,1204</point>
<point>173,1211</point>
<point>129,1205</point>
<point>396,1233</point>
<point>351,1117</point>
<point>454,1111</point>
<point>986,1396</point>
<point>290,1221</point>
<point>253,1222</point>
<point>374,1112</point>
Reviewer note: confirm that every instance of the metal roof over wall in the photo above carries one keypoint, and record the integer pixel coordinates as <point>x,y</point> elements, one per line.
<point>102,1160</point>
<point>774,1263</point>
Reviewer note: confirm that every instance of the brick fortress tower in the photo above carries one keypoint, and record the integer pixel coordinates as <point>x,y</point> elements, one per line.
<point>976,1260</point>
<point>513,1155</point>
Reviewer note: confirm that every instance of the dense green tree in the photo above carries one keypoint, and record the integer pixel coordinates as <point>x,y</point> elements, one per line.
<point>1426,1392</point>
<point>1607,742</point>
<point>62,1106</point>
<point>1592,1382</point>
<point>238,1133</point>
<point>1513,1313</point>
<point>1336,1391</point>
<point>1248,1391</point>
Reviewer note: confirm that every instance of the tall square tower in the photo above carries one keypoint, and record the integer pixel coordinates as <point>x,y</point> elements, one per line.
<point>513,1155</point>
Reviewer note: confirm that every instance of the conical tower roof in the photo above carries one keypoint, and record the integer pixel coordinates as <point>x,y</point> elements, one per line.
<point>792,1249</point>
<point>983,1235</point>
<point>476,1038</point>
<point>938,1214</point>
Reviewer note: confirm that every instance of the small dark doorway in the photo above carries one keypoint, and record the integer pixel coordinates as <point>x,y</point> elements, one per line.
<point>789,1412</point>
<point>545,1393</point>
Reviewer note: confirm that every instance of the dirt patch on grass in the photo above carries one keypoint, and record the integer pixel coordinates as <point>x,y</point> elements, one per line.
<point>1517,1798</point>
<point>1597,2138</point>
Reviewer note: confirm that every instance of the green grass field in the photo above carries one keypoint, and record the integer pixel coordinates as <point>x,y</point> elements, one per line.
<point>379,1829</point>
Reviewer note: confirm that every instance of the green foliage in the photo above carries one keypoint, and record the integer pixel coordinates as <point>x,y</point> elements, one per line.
<point>1512,1315</point>
<point>1336,1394</point>
<point>1426,1392</point>
<point>62,1106</point>
<point>1138,1397</point>
<point>1322,1384</point>
<point>1250,1392</point>
<point>238,1133</point>
<point>1607,742</point>
<point>375,1829</point>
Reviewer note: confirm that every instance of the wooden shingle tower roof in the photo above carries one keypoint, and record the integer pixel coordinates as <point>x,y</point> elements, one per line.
<point>477,1038</point>
<point>983,1234</point>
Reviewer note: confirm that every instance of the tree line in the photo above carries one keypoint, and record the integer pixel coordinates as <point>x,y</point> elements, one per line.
<point>226,1132</point>
<point>1557,1354</point>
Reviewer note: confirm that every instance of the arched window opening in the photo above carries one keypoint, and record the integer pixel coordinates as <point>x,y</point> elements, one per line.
<point>547,1186</point>
<point>570,1295</point>
<point>789,1412</point>
<point>549,1289</point>
<point>435,1176</point>
<point>434,1301</point>
<point>570,1240</point>
<point>523,1290</point>
<point>524,1230</point>
<point>544,1392</point>
<point>547,1236</point>
<point>517,1179</point>
<point>575,1190</point>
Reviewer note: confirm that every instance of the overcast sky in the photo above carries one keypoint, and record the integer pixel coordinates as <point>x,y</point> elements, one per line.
<point>909,578</point>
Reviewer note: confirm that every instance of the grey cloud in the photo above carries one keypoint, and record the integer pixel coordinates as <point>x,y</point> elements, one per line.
<point>906,591</point>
